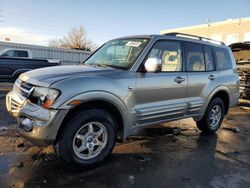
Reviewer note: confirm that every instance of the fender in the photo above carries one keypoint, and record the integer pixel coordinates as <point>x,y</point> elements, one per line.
<point>96,95</point>
<point>213,92</point>
<point>128,122</point>
<point>19,71</point>
<point>209,98</point>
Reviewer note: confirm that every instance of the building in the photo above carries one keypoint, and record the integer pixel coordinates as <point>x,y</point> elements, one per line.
<point>229,31</point>
<point>66,56</point>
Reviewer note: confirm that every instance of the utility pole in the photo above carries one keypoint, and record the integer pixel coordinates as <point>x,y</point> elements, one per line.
<point>208,22</point>
<point>1,15</point>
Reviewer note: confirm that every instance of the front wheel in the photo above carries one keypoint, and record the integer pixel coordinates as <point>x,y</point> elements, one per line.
<point>88,139</point>
<point>213,116</point>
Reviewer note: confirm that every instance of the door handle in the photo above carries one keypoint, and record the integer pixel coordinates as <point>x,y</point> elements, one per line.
<point>130,88</point>
<point>179,79</point>
<point>211,77</point>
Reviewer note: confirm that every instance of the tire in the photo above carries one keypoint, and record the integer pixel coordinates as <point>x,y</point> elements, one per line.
<point>207,125</point>
<point>70,145</point>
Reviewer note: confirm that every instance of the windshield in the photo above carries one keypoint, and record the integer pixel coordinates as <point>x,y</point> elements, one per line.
<point>120,53</point>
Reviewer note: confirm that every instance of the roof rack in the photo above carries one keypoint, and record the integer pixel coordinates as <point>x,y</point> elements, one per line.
<point>196,37</point>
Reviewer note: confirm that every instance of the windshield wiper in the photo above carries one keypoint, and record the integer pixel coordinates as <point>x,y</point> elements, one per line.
<point>115,67</point>
<point>108,65</point>
<point>97,65</point>
<point>102,65</point>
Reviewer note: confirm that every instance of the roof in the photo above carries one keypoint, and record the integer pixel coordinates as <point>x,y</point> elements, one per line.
<point>182,37</point>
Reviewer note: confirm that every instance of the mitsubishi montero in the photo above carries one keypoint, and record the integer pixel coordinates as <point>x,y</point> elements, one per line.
<point>127,83</point>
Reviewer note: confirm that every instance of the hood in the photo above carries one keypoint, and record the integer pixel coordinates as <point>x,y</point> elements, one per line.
<point>50,75</point>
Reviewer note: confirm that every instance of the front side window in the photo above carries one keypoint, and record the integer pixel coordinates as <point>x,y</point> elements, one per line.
<point>194,57</point>
<point>120,53</point>
<point>170,54</point>
<point>9,53</point>
<point>223,60</point>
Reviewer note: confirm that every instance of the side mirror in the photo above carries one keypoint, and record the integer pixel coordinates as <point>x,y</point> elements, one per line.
<point>153,64</point>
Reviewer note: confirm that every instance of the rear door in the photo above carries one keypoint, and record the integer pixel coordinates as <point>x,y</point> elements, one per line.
<point>7,67</point>
<point>161,96</point>
<point>201,75</point>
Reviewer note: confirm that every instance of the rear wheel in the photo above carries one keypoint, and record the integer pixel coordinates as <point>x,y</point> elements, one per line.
<point>88,139</point>
<point>213,116</point>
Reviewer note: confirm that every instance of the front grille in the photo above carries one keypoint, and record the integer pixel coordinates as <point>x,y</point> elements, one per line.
<point>23,88</point>
<point>14,103</point>
<point>14,106</point>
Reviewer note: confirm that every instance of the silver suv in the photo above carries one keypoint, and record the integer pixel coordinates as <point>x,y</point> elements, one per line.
<point>127,83</point>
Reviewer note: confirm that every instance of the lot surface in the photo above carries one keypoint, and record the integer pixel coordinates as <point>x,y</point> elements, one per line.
<point>169,155</point>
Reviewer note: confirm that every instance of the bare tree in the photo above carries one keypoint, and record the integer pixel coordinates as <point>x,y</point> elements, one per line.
<point>76,39</point>
<point>55,43</point>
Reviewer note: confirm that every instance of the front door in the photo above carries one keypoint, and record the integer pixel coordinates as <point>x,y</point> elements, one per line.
<point>161,96</point>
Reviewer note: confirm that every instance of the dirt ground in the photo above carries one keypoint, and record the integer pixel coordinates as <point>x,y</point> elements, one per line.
<point>173,154</point>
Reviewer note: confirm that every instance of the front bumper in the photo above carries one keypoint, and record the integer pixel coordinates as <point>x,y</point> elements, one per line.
<point>37,124</point>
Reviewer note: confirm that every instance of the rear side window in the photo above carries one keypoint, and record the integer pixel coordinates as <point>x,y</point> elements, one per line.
<point>21,54</point>
<point>208,58</point>
<point>222,58</point>
<point>194,57</point>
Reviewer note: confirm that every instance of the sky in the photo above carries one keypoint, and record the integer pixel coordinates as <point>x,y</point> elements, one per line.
<point>39,21</point>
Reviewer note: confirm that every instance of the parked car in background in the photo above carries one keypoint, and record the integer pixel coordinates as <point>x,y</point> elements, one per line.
<point>11,68</point>
<point>54,61</point>
<point>129,82</point>
<point>19,53</point>
<point>65,55</point>
<point>22,53</point>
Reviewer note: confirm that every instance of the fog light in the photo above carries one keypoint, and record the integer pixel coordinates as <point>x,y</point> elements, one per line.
<point>27,124</point>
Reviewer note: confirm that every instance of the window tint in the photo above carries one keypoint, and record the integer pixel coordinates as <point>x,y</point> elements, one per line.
<point>208,58</point>
<point>222,58</point>
<point>194,57</point>
<point>21,54</point>
<point>170,54</point>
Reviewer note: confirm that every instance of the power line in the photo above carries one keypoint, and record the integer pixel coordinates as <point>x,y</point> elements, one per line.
<point>39,25</point>
<point>42,23</point>
<point>63,19</point>
<point>48,22</point>
<point>1,16</point>
<point>24,38</point>
<point>33,37</point>
<point>98,36</point>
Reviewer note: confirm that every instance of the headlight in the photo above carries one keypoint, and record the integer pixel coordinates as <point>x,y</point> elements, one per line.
<point>45,97</point>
